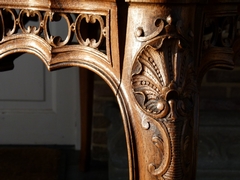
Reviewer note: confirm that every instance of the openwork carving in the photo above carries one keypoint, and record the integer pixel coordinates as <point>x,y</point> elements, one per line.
<point>57,41</point>
<point>85,29</point>
<point>164,85</point>
<point>220,43</point>
<point>9,17</point>
<point>220,32</point>
<point>26,14</point>
<point>93,19</point>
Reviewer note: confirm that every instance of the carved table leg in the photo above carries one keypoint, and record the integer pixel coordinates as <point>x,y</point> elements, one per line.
<point>158,80</point>
<point>159,83</point>
<point>86,102</point>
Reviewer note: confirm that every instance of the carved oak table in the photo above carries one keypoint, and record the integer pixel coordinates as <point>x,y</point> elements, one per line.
<point>152,53</point>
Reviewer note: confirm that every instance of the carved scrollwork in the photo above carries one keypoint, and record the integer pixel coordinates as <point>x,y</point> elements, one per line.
<point>219,32</point>
<point>57,41</point>
<point>164,85</point>
<point>93,19</point>
<point>210,32</point>
<point>139,33</point>
<point>1,26</point>
<point>30,14</point>
<point>147,82</point>
<point>228,31</point>
<point>12,21</point>
<point>83,29</point>
<point>220,43</point>
<point>161,141</point>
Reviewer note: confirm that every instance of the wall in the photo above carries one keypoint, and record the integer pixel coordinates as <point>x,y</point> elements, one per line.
<point>102,96</point>
<point>219,131</point>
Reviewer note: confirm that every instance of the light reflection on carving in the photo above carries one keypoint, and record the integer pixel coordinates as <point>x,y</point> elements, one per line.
<point>12,21</point>
<point>30,14</point>
<point>57,41</point>
<point>92,19</point>
<point>10,17</point>
<point>162,84</point>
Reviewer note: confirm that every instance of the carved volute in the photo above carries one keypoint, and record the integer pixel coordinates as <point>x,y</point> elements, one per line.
<point>169,51</point>
<point>154,64</point>
<point>164,86</point>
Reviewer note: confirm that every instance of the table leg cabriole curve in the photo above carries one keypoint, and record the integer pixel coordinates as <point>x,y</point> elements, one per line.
<point>154,69</point>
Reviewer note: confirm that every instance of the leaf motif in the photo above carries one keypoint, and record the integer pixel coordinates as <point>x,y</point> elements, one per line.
<point>147,82</point>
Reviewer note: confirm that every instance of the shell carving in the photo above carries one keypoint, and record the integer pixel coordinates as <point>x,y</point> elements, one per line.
<point>155,78</point>
<point>163,85</point>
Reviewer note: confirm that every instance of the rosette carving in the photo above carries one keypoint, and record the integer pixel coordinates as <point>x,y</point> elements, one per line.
<point>164,86</point>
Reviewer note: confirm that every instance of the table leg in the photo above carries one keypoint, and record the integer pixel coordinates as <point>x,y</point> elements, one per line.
<point>86,102</point>
<point>161,91</point>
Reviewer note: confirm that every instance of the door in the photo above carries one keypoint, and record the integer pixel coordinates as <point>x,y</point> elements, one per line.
<point>38,106</point>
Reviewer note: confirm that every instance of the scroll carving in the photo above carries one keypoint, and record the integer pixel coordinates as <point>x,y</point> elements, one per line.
<point>93,19</point>
<point>91,30</point>
<point>164,85</point>
<point>220,42</point>
<point>57,41</point>
<point>25,14</point>
<point>219,32</point>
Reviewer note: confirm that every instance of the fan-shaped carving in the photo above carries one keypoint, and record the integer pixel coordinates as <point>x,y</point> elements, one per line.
<point>156,77</point>
<point>163,83</point>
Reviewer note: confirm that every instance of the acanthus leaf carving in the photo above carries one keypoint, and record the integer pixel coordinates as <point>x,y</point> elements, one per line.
<point>164,85</point>
<point>162,142</point>
<point>155,78</point>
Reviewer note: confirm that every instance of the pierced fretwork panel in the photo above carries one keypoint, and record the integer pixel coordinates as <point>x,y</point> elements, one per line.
<point>86,29</point>
<point>221,31</point>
